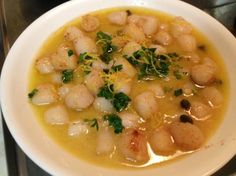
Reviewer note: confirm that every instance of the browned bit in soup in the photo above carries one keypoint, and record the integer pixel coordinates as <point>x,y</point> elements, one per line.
<point>129,87</point>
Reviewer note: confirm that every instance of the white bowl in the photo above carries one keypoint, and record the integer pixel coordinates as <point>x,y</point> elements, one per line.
<point>46,153</point>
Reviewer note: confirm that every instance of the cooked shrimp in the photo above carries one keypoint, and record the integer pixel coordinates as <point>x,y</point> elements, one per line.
<point>103,105</point>
<point>61,59</point>
<point>44,65</point>
<point>146,104</point>
<point>73,33</point>
<point>127,68</point>
<point>105,142</point>
<point>202,74</point>
<point>150,25</point>
<point>94,81</point>
<point>130,48</point>
<point>64,89</point>
<point>157,90</point>
<point>187,136</point>
<point>133,145</point>
<point>90,23</point>
<point>179,26</point>
<point>46,94</point>
<point>134,32</point>
<point>213,96</point>
<point>56,115</point>
<point>118,18</point>
<point>85,44</point>
<point>78,128</point>
<point>187,42</point>
<point>200,111</point>
<point>161,142</point>
<point>129,120</point>
<point>79,97</point>
<point>163,38</point>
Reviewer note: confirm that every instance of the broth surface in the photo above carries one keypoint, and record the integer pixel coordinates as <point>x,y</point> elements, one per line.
<point>84,146</point>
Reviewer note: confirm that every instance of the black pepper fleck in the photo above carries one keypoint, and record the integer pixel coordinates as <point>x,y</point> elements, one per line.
<point>186,119</point>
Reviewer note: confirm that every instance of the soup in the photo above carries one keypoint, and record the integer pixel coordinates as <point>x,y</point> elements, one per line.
<point>128,87</point>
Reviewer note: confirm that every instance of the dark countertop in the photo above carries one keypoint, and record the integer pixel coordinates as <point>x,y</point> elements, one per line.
<point>20,13</point>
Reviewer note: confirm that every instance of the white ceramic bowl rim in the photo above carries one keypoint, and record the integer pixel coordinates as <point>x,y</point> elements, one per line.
<point>40,147</point>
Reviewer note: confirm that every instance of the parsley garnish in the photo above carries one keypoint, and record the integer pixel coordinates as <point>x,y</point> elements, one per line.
<point>115,122</point>
<point>106,92</point>
<point>120,101</point>
<point>178,92</point>
<point>106,41</point>
<point>177,74</point>
<point>92,123</point>
<point>116,68</point>
<point>86,61</point>
<point>67,76</point>
<point>32,93</point>
<point>70,53</point>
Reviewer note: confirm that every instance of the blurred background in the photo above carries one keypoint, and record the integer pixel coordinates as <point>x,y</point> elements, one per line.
<point>16,15</point>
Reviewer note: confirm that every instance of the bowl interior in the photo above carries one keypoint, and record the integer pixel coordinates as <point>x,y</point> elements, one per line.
<point>42,149</point>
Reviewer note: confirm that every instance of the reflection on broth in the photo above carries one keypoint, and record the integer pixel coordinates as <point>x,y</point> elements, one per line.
<point>128,87</point>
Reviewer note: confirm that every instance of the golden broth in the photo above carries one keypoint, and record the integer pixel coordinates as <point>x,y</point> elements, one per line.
<point>84,146</point>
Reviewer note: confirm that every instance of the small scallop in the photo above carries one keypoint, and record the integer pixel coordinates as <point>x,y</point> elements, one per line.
<point>192,57</point>
<point>103,105</point>
<point>180,26</point>
<point>187,136</point>
<point>79,97</point>
<point>118,18</point>
<point>99,65</point>
<point>202,74</point>
<point>85,44</point>
<point>44,65</point>
<point>56,78</point>
<point>213,96</point>
<point>209,62</point>
<point>61,60</point>
<point>133,145</point>
<point>73,33</point>
<point>163,38</point>
<point>157,90</point>
<point>150,25</point>
<point>56,115</point>
<point>46,94</point>
<point>123,83</point>
<point>134,32</point>
<point>161,142</point>
<point>200,111</point>
<point>187,42</point>
<point>64,90</point>
<point>159,49</point>
<point>105,142</point>
<point>119,41</point>
<point>94,81</point>
<point>77,128</point>
<point>164,27</point>
<point>145,104</point>
<point>135,19</point>
<point>127,68</point>
<point>129,120</point>
<point>130,48</point>
<point>90,23</point>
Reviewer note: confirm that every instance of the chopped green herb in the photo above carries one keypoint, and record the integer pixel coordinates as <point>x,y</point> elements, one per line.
<point>120,101</point>
<point>86,61</point>
<point>67,76</point>
<point>116,68</point>
<point>177,74</point>
<point>106,92</point>
<point>92,123</point>
<point>70,53</point>
<point>106,41</point>
<point>178,92</point>
<point>115,122</point>
<point>32,93</point>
